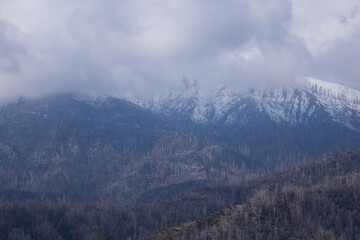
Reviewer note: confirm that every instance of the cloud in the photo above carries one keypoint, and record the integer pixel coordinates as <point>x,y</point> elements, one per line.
<point>146,46</point>
<point>10,49</point>
<point>330,32</point>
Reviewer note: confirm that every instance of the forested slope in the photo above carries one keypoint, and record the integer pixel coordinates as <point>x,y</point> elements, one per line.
<point>318,200</point>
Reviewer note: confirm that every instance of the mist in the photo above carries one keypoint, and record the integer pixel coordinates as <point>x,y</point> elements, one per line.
<point>145,47</point>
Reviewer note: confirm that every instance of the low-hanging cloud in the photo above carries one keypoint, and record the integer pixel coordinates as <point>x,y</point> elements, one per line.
<point>147,45</point>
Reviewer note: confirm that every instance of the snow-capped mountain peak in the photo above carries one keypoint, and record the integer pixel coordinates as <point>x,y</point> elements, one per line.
<point>291,105</point>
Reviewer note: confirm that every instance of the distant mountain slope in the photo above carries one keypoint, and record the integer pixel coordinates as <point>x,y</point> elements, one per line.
<point>307,120</point>
<point>318,201</point>
<point>101,149</point>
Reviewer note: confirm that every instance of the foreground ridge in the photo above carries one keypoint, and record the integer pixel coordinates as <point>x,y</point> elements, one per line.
<point>327,208</point>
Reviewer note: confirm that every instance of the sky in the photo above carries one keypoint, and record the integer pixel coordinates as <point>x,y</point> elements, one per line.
<point>147,46</point>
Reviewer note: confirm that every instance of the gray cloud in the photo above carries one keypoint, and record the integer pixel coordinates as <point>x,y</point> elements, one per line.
<point>10,48</point>
<point>146,46</point>
<point>341,63</point>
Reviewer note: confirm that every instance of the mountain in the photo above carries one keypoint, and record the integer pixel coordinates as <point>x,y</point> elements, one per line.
<point>308,118</point>
<point>91,149</point>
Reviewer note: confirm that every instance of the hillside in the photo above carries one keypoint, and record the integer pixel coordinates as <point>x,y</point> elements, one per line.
<point>323,195</point>
<point>324,206</point>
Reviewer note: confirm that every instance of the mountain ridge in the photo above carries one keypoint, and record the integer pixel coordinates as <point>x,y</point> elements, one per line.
<point>291,105</point>
<point>322,195</point>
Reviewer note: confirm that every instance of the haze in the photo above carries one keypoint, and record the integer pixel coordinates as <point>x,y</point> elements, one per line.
<point>111,47</point>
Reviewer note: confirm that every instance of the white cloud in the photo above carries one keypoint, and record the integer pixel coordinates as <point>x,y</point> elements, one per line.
<point>145,45</point>
<point>322,24</point>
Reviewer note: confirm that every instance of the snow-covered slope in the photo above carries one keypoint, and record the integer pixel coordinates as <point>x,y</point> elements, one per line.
<point>334,93</point>
<point>341,102</point>
<point>296,105</point>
